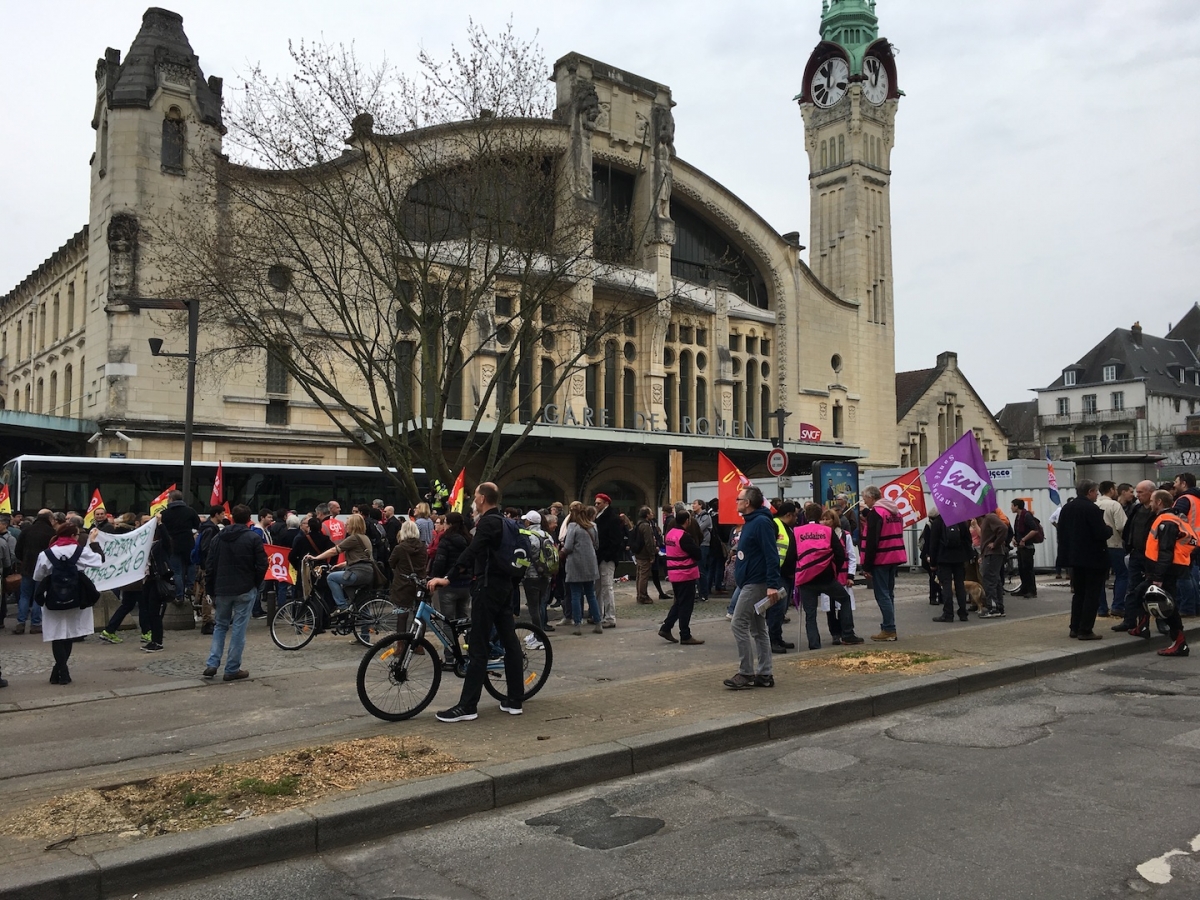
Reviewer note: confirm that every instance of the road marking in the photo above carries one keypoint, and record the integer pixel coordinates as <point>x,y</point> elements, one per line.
<point>1158,870</point>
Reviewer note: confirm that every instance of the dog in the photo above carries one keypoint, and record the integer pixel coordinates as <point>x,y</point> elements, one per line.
<point>974,595</point>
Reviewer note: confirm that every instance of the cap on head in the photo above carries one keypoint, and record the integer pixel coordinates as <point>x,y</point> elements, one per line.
<point>533,517</point>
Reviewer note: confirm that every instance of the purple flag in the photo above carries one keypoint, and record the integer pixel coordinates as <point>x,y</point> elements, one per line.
<point>959,483</point>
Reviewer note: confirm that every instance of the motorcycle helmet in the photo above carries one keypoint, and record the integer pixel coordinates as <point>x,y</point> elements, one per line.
<point>1158,602</point>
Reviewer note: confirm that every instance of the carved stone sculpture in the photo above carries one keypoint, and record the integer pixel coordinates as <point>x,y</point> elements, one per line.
<point>122,254</point>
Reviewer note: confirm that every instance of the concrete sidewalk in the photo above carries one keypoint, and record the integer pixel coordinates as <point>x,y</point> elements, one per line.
<point>617,703</point>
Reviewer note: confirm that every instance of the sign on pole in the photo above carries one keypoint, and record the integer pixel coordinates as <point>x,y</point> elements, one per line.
<point>777,461</point>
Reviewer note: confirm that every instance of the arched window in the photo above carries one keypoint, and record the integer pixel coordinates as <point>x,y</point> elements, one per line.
<point>547,383</point>
<point>841,148</point>
<point>70,307</point>
<point>765,408</point>
<point>53,408</point>
<point>174,141</point>
<point>68,376</point>
<point>628,402</point>
<point>702,411</point>
<point>685,392</point>
<point>41,392</point>
<point>41,328</point>
<point>750,426</point>
<point>19,347</point>
<point>54,320</point>
<point>669,405</point>
<point>824,155</point>
<point>611,370</point>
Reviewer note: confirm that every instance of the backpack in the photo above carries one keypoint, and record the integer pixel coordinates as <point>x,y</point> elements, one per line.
<point>952,537</point>
<point>1035,535</point>
<point>61,589</point>
<point>637,541</point>
<point>545,555</point>
<point>515,553</point>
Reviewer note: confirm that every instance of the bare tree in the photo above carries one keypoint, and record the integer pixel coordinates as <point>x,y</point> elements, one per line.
<point>408,251</point>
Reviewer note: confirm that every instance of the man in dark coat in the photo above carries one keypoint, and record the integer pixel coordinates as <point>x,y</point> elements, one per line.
<point>1083,537</point>
<point>35,537</point>
<point>181,524</point>
<point>234,569</point>
<point>608,553</point>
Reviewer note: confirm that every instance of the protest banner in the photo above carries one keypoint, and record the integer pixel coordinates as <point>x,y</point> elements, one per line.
<point>125,557</point>
<point>278,568</point>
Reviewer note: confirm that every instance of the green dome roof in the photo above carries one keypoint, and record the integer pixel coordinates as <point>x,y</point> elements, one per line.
<point>851,24</point>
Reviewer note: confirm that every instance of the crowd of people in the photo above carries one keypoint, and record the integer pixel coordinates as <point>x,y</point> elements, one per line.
<point>1144,535</point>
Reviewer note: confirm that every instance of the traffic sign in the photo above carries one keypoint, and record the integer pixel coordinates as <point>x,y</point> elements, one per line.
<point>777,461</point>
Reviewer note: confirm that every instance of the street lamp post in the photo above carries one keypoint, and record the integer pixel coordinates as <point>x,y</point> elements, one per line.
<point>192,305</point>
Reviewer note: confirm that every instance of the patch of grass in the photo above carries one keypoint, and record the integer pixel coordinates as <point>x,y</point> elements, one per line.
<point>283,786</point>
<point>197,798</point>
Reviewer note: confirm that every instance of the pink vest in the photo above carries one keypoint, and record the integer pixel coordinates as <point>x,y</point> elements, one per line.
<point>890,551</point>
<point>843,572</point>
<point>680,566</point>
<point>814,551</point>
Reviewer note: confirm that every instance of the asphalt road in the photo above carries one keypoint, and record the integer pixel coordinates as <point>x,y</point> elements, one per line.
<point>1080,785</point>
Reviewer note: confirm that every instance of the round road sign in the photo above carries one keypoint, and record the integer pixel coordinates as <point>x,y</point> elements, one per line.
<point>777,461</point>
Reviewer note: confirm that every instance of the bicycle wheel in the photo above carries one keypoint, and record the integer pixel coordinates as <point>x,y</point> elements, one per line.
<point>294,625</point>
<point>374,619</point>
<point>395,684</point>
<point>536,659</point>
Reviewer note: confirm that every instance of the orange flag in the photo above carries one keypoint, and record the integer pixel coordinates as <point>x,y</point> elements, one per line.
<point>5,500</point>
<point>89,518</point>
<point>455,502</point>
<point>730,480</point>
<point>908,495</point>
<point>159,503</point>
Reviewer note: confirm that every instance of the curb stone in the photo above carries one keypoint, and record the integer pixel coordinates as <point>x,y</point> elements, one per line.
<point>177,858</point>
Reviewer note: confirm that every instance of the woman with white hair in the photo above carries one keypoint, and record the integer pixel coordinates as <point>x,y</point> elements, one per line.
<point>407,558</point>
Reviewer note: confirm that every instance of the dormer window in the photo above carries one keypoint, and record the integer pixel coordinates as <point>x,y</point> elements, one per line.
<point>1069,377</point>
<point>1109,373</point>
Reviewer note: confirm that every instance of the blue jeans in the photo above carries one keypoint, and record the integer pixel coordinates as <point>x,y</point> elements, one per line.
<point>230,615</point>
<point>703,586</point>
<point>776,613</point>
<point>1116,562</point>
<point>579,590</point>
<point>883,583</point>
<point>184,571</point>
<point>339,580</point>
<point>733,599</point>
<point>1185,591</point>
<point>26,608</point>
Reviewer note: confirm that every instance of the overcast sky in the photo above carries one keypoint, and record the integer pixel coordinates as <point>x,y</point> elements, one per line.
<point>1043,192</point>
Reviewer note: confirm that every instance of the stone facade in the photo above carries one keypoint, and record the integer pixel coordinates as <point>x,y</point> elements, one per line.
<point>724,343</point>
<point>935,407</point>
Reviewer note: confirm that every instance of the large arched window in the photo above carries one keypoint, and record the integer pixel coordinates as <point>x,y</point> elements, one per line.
<point>704,255</point>
<point>547,382</point>
<point>685,392</point>
<point>669,404</point>
<point>68,387</point>
<point>41,396</point>
<point>611,371</point>
<point>53,407</point>
<point>702,410</point>
<point>628,392</point>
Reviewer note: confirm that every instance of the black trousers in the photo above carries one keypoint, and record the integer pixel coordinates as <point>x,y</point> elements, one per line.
<point>681,609</point>
<point>62,652</point>
<point>1025,570</point>
<point>838,599</point>
<point>492,609</point>
<point>952,578</point>
<point>1137,596</point>
<point>1087,586</point>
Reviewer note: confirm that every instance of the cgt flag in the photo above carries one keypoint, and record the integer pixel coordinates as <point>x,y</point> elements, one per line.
<point>159,503</point>
<point>455,501</point>
<point>5,500</point>
<point>959,483</point>
<point>1052,481</point>
<point>278,567</point>
<point>218,491</point>
<point>908,495</point>
<point>89,517</point>
<point>730,480</point>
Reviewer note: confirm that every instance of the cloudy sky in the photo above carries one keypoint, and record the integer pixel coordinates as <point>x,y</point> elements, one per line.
<point>1043,185</point>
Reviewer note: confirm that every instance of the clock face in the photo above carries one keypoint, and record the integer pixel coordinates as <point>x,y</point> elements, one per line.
<point>875,80</point>
<point>830,81</point>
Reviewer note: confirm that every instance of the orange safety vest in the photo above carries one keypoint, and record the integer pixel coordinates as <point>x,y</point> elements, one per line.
<point>1183,546</point>
<point>1193,514</point>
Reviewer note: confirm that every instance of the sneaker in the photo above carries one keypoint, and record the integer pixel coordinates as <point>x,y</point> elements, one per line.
<point>609,624</point>
<point>986,613</point>
<point>855,639</point>
<point>999,614</point>
<point>258,615</point>
<point>882,636</point>
<point>152,647</point>
<point>764,681</point>
<point>145,637</point>
<point>109,637</point>
<point>457,714</point>
<point>533,643</point>
<point>837,642</point>
<point>740,682</point>
<point>565,620</point>
<point>728,618</point>
<point>599,629</point>
<point>513,709</point>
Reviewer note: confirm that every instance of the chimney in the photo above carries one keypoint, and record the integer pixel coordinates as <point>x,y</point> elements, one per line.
<point>1136,333</point>
<point>947,360</point>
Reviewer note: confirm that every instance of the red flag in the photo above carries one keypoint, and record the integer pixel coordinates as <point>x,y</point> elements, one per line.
<point>278,567</point>
<point>159,503</point>
<point>730,480</point>
<point>228,514</point>
<point>908,495</point>
<point>218,491</point>
<point>455,501</point>
<point>89,517</point>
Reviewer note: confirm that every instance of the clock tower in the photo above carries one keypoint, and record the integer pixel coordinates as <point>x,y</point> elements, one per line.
<point>848,100</point>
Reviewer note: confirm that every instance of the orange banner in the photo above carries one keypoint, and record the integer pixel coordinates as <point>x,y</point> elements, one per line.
<point>278,567</point>
<point>730,480</point>
<point>908,495</point>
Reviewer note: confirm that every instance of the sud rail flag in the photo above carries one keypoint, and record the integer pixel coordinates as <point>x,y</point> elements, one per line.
<point>959,483</point>
<point>908,495</point>
<point>730,480</point>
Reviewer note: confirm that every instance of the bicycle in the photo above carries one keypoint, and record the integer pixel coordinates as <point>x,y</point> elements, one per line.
<point>298,621</point>
<point>400,675</point>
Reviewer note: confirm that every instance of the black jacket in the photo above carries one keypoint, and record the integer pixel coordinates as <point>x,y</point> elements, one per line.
<point>450,547</point>
<point>180,521</point>
<point>939,553</point>
<point>611,536</point>
<point>1137,529</point>
<point>1083,535</point>
<point>480,556</point>
<point>236,562</point>
<point>35,538</point>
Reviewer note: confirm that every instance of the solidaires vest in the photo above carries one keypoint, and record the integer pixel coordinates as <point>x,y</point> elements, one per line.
<point>890,551</point>
<point>680,566</point>
<point>814,552</point>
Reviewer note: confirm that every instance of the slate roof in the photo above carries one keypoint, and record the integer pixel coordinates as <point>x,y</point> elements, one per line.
<point>1188,329</point>
<point>1138,357</point>
<point>161,39</point>
<point>911,386</point>
<point>1019,421</point>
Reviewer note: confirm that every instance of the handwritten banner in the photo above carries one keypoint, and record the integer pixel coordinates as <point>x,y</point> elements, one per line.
<point>126,557</point>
